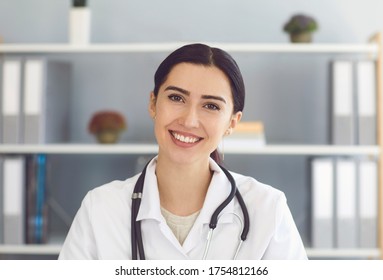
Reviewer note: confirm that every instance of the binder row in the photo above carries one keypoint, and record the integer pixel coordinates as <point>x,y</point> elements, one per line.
<point>34,98</point>
<point>34,109</point>
<point>353,98</point>
<point>344,202</point>
<point>23,215</point>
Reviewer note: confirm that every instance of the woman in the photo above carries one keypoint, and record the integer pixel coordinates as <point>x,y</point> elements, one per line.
<point>198,98</point>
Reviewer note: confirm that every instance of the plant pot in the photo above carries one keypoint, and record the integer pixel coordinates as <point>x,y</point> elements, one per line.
<point>304,37</point>
<point>79,25</point>
<point>107,136</point>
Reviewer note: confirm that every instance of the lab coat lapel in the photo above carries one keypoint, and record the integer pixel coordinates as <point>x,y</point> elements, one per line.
<point>150,202</point>
<point>218,191</point>
<point>150,205</point>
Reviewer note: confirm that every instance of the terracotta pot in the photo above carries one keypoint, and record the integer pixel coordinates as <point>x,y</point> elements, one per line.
<point>107,136</point>
<point>304,37</point>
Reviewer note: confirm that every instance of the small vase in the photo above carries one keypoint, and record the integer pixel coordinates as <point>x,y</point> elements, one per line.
<point>304,37</point>
<point>107,136</point>
<point>79,25</point>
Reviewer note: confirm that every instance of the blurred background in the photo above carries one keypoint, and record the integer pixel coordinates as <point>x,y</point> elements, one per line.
<point>289,93</point>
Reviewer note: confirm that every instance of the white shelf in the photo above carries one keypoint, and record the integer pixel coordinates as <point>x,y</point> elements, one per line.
<point>153,148</point>
<point>343,253</point>
<point>170,46</point>
<point>31,249</point>
<point>49,249</point>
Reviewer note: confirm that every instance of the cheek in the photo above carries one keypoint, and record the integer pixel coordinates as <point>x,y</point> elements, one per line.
<point>217,127</point>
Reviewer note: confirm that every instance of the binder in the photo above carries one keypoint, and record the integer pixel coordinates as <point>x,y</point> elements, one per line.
<point>346,215</point>
<point>13,200</point>
<point>11,101</point>
<point>368,203</point>
<point>46,101</point>
<point>36,203</point>
<point>322,183</point>
<point>366,102</point>
<point>1,202</point>
<point>343,128</point>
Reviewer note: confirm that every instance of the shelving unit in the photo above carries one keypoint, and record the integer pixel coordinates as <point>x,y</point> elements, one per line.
<point>153,148</point>
<point>373,48</point>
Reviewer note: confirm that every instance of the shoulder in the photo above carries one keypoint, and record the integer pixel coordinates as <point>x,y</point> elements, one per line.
<point>257,192</point>
<point>114,192</point>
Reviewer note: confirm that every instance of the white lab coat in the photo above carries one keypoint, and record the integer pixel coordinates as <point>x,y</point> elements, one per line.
<point>101,227</point>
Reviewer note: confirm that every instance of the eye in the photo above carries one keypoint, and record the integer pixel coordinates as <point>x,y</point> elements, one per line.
<point>212,106</point>
<point>175,98</point>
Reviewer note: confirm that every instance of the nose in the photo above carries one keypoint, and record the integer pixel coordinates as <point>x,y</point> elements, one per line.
<point>189,118</point>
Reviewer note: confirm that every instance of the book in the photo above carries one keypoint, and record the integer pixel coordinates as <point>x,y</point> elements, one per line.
<point>322,184</point>
<point>366,102</point>
<point>46,94</point>
<point>10,95</point>
<point>37,218</point>
<point>343,113</point>
<point>246,134</point>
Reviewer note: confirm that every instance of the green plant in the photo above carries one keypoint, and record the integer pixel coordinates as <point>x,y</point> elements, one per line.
<point>300,23</point>
<point>79,3</point>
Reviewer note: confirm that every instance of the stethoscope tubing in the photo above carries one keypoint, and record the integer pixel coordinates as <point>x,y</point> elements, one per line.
<point>136,234</point>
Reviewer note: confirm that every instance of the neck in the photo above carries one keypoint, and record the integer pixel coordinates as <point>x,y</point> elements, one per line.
<point>182,187</point>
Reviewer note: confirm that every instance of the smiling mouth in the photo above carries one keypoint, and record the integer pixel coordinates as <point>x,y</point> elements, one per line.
<point>185,139</point>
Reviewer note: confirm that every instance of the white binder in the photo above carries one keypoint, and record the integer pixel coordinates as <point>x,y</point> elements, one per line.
<point>323,202</point>
<point>343,128</point>
<point>11,101</point>
<point>346,215</point>
<point>13,200</point>
<point>366,102</point>
<point>368,203</point>
<point>46,101</point>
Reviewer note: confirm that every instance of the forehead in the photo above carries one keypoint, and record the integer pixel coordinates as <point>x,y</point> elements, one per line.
<point>199,78</point>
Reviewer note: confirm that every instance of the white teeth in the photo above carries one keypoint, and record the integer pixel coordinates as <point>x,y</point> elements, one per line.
<point>185,139</point>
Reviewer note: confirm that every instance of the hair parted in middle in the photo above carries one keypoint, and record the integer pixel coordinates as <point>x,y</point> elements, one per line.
<point>201,54</point>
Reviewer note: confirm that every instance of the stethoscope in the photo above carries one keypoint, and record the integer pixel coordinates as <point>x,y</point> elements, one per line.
<point>136,235</point>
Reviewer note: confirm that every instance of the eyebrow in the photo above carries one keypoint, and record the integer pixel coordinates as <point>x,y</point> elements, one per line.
<point>186,92</point>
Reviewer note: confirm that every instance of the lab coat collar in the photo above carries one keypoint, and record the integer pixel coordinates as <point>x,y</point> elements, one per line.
<point>150,202</point>
<point>218,191</point>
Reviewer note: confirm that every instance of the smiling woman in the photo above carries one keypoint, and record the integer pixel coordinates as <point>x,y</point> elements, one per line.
<point>183,195</point>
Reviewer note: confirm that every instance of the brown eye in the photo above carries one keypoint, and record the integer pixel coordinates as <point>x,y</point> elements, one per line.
<point>175,98</point>
<point>211,106</point>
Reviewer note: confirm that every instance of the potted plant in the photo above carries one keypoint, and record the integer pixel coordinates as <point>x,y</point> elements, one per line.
<point>107,126</point>
<point>300,27</point>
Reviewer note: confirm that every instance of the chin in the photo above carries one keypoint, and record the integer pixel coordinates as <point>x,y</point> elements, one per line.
<point>185,158</point>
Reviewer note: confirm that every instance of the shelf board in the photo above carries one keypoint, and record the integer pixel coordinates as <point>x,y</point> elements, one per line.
<point>31,249</point>
<point>343,253</point>
<point>54,249</point>
<point>370,48</point>
<point>153,149</point>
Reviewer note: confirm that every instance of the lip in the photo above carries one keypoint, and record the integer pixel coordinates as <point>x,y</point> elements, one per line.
<point>185,134</point>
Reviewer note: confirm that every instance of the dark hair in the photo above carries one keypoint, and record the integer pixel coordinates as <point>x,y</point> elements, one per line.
<point>201,54</point>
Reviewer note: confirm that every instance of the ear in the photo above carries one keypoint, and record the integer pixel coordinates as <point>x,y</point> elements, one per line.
<point>235,118</point>
<point>152,105</point>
